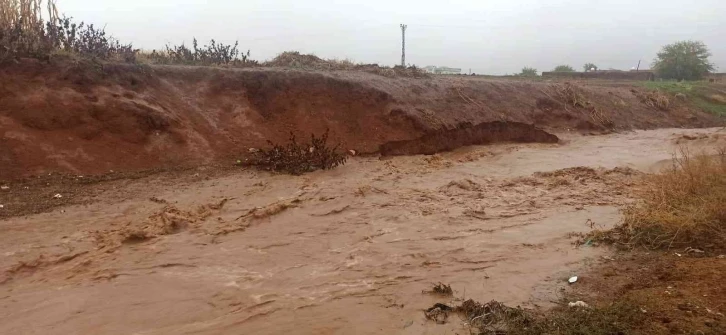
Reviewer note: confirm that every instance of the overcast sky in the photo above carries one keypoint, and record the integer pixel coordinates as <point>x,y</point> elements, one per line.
<point>486,36</point>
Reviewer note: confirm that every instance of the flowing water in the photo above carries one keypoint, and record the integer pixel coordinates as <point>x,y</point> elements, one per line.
<point>351,250</point>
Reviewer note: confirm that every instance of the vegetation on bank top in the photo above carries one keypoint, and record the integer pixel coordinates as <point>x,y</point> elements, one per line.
<point>213,53</point>
<point>26,32</point>
<point>683,60</point>
<point>563,68</point>
<point>589,67</point>
<point>528,72</point>
<point>34,29</point>
<point>703,95</point>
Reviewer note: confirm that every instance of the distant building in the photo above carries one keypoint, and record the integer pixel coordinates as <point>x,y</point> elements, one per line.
<point>442,70</point>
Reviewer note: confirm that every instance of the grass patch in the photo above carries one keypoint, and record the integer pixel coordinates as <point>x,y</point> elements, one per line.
<point>707,97</point>
<point>683,206</point>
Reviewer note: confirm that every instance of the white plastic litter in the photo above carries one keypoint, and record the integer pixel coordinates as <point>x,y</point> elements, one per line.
<point>58,196</point>
<point>2,206</point>
<point>693,250</point>
<point>4,187</point>
<point>578,304</point>
<point>572,279</point>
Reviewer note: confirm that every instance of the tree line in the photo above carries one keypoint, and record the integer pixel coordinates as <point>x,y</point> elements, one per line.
<point>683,60</point>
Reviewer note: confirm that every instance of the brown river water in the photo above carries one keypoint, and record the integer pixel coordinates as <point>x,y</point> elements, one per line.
<point>346,251</point>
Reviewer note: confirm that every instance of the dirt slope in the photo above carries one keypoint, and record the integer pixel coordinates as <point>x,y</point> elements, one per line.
<point>87,119</point>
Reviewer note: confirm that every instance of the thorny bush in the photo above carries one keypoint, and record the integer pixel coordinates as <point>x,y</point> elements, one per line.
<point>212,54</point>
<point>296,158</point>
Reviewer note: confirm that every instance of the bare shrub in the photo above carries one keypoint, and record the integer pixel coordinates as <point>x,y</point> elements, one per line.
<point>213,53</point>
<point>654,99</point>
<point>572,96</point>
<point>296,158</point>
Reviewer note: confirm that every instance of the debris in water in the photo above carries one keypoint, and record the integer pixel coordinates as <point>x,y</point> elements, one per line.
<point>438,313</point>
<point>157,200</point>
<point>57,196</point>
<point>2,206</point>
<point>269,210</point>
<point>334,211</point>
<point>441,289</point>
<point>4,187</point>
<point>578,304</point>
<point>572,279</point>
<point>351,152</point>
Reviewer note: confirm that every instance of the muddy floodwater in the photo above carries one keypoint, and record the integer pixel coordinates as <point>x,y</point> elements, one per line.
<point>346,251</point>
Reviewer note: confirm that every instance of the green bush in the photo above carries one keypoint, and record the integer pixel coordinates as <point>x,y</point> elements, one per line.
<point>684,60</point>
<point>564,68</point>
<point>528,72</point>
<point>589,66</point>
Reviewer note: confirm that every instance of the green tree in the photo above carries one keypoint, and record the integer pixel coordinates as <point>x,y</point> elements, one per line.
<point>684,60</point>
<point>589,67</point>
<point>564,68</point>
<point>528,72</point>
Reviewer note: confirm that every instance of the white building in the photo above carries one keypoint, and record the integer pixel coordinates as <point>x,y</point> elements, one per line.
<point>442,70</point>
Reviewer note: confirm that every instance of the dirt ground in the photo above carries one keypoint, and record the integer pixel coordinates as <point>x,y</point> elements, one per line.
<point>83,119</point>
<point>675,292</point>
<point>214,250</point>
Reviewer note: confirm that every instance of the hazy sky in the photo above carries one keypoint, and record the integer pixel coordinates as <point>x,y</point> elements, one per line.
<point>486,36</point>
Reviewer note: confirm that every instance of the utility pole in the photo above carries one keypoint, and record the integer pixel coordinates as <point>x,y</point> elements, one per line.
<point>403,44</point>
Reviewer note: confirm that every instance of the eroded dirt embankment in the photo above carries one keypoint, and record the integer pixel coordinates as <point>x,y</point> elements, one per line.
<point>483,133</point>
<point>91,118</point>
